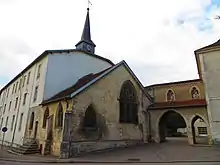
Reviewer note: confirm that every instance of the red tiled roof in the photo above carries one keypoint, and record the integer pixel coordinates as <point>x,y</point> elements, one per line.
<point>177,82</point>
<point>178,104</point>
<point>80,83</point>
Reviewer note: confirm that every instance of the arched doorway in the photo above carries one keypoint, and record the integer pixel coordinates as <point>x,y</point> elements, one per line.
<point>199,130</point>
<point>171,124</point>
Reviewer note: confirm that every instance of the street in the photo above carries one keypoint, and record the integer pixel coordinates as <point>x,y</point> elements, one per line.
<point>175,151</point>
<point>187,163</point>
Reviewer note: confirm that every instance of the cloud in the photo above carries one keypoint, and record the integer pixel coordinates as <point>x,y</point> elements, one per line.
<point>156,38</point>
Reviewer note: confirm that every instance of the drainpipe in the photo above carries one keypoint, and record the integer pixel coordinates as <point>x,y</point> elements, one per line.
<point>16,120</point>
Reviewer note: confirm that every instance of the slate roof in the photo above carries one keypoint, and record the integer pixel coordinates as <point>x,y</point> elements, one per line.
<point>178,104</point>
<point>44,54</point>
<point>90,79</point>
<point>86,35</point>
<point>217,43</point>
<point>80,83</point>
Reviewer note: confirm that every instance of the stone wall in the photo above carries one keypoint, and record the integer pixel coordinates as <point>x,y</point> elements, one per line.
<point>80,148</point>
<point>103,96</point>
<point>57,133</point>
<point>182,91</point>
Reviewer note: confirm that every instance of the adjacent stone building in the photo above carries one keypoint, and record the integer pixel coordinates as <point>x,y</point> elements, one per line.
<point>183,104</point>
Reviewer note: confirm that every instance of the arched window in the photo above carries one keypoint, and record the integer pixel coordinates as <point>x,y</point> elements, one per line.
<point>170,95</point>
<point>31,121</point>
<point>59,116</point>
<point>46,115</point>
<point>128,104</point>
<point>90,118</point>
<point>195,93</point>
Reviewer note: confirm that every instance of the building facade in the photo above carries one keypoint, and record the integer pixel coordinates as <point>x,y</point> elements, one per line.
<point>209,71</point>
<point>100,111</point>
<point>51,72</point>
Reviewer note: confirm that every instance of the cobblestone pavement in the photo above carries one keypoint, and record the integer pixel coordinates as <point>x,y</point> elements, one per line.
<point>172,151</point>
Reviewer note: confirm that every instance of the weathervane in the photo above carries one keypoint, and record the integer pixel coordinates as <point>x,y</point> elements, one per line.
<point>89,3</point>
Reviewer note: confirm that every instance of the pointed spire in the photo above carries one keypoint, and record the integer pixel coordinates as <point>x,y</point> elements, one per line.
<point>86,42</point>
<point>86,35</point>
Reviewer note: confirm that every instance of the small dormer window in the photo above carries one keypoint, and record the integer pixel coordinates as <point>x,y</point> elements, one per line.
<point>170,95</point>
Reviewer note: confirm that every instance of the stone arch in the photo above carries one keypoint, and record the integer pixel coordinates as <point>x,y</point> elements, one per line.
<point>161,119</point>
<point>193,119</point>
<point>59,116</point>
<point>170,95</point>
<point>195,92</point>
<point>90,118</point>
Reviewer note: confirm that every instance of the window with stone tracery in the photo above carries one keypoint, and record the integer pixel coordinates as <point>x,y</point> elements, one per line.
<point>128,104</point>
<point>195,93</point>
<point>46,115</point>
<point>59,116</point>
<point>170,95</point>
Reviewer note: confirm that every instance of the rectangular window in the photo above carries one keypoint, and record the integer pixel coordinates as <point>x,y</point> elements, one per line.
<point>202,130</point>
<point>12,122</point>
<point>20,123</point>
<point>13,89</point>
<point>35,93</point>
<point>1,123</point>
<point>6,122</point>
<point>24,80</point>
<point>24,99</point>
<point>8,91</point>
<point>20,83</point>
<point>9,107</point>
<point>16,86</point>
<point>38,71</point>
<point>28,77</point>
<point>16,102</point>
<point>4,109</point>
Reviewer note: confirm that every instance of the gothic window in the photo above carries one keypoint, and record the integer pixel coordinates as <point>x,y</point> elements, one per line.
<point>128,104</point>
<point>195,93</point>
<point>89,121</point>
<point>59,116</point>
<point>46,115</point>
<point>170,95</point>
<point>31,121</point>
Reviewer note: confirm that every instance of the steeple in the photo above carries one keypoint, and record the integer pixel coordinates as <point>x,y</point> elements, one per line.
<point>86,44</point>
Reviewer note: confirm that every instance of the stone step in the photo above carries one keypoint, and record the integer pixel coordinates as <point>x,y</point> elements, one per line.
<point>19,151</point>
<point>29,146</point>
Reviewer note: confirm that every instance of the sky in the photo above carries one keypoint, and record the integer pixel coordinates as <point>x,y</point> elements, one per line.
<point>157,38</point>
